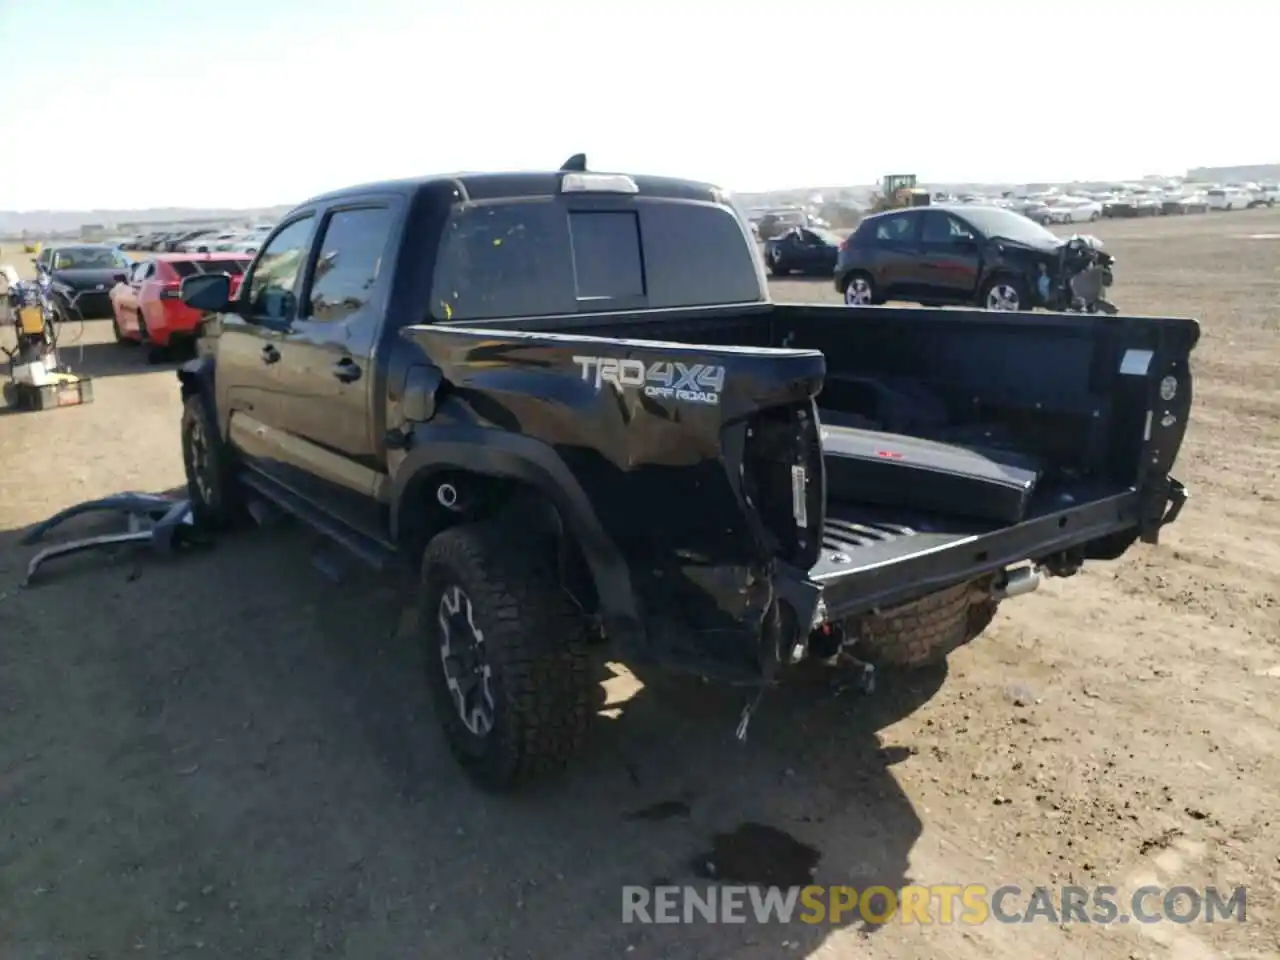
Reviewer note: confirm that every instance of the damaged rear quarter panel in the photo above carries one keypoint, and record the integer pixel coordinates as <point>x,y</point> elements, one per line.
<point>639,424</point>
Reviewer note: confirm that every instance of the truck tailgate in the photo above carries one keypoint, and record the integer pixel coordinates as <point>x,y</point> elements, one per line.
<point>878,556</point>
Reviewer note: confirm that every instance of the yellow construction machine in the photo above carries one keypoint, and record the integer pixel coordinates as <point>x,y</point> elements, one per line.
<point>899,190</point>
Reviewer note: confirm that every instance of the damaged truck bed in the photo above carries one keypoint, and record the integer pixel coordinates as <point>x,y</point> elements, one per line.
<point>567,401</point>
<point>883,455</point>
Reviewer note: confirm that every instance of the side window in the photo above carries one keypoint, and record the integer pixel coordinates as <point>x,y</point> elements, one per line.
<point>504,259</point>
<point>942,229</point>
<point>349,263</point>
<point>895,229</point>
<point>271,288</point>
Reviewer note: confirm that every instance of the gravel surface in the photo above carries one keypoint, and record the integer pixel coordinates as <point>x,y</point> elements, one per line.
<point>228,756</point>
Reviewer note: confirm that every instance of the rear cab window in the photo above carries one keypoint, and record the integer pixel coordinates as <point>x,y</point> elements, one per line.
<point>548,255</point>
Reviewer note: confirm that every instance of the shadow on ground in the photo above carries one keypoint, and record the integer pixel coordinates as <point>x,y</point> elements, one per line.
<point>227,754</point>
<point>111,359</point>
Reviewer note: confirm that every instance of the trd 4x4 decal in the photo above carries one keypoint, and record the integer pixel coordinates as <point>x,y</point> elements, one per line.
<point>692,383</point>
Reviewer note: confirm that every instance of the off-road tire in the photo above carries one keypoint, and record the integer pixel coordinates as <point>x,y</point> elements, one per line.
<point>925,631</point>
<point>216,500</point>
<point>535,644</point>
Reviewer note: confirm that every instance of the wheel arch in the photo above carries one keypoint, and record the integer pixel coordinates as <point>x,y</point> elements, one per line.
<point>498,474</point>
<point>196,379</point>
<point>847,277</point>
<point>1005,273</point>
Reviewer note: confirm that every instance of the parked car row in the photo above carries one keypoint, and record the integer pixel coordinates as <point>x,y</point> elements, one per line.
<point>91,281</point>
<point>244,240</point>
<point>146,307</point>
<point>1143,201</point>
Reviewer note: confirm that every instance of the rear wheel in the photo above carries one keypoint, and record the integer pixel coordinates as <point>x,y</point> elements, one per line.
<point>506,656</point>
<point>860,290</point>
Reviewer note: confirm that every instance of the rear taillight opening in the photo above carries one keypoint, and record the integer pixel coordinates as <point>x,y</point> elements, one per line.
<point>784,480</point>
<point>170,291</point>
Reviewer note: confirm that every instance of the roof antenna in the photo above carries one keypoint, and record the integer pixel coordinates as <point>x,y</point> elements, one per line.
<point>576,164</point>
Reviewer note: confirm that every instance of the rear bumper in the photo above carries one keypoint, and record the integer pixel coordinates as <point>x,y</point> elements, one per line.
<point>175,320</point>
<point>869,565</point>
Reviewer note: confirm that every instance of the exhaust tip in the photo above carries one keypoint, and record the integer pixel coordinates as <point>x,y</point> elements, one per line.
<point>1018,581</point>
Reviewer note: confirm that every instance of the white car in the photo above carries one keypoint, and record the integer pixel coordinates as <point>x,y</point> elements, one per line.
<point>1228,198</point>
<point>1073,210</point>
<point>250,240</point>
<point>1265,195</point>
<point>208,242</point>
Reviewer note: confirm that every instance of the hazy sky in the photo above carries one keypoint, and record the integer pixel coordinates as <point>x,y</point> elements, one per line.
<point>139,103</point>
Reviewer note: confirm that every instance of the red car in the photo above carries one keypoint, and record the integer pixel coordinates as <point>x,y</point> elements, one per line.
<point>145,307</point>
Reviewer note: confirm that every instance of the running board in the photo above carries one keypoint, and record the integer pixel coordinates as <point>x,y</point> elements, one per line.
<point>372,552</point>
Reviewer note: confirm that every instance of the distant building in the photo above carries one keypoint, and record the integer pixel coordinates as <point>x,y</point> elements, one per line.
<point>1254,172</point>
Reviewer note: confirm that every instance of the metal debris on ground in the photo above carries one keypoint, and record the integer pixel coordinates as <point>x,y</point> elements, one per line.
<point>161,523</point>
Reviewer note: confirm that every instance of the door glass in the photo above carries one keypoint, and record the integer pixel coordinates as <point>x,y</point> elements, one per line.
<point>271,288</point>
<point>349,262</point>
<point>936,229</point>
<point>894,229</point>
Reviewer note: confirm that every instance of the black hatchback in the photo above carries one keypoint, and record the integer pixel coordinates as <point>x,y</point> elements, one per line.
<point>943,254</point>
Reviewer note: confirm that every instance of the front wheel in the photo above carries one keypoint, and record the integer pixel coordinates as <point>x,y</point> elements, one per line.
<point>506,656</point>
<point>776,266</point>
<point>211,485</point>
<point>1004,293</point>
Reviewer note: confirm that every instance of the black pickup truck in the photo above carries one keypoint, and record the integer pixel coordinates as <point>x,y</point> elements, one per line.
<point>566,399</point>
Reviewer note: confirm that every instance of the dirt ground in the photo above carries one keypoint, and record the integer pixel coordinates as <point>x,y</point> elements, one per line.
<point>229,756</point>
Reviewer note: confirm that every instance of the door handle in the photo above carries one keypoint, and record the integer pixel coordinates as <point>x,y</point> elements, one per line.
<point>270,354</point>
<point>346,370</point>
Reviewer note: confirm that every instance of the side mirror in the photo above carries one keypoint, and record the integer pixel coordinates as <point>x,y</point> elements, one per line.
<point>210,292</point>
